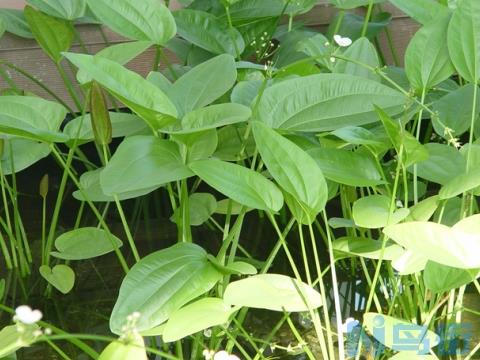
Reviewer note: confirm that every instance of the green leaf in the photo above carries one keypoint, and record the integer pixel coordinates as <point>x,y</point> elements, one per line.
<point>373,212</point>
<point>351,25</point>
<point>326,102</point>
<point>455,111</point>
<point>120,53</point>
<point>212,117</point>
<point>455,246</point>
<point>60,277</point>
<point>363,51</point>
<point>123,125</point>
<point>142,162</point>
<point>347,167</point>
<point>424,210</point>
<point>32,118</point>
<point>162,283</point>
<point>203,84</point>
<point>403,141</point>
<point>443,161</point>
<point>198,145</point>
<point>441,278</point>
<point>15,23</point>
<point>423,11</point>
<point>427,61</point>
<point>460,184</point>
<point>24,153</point>
<point>464,40</point>
<point>412,355</point>
<point>272,292</point>
<point>231,141</point>
<point>11,339</point>
<point>367,248</point>
<point>384,329</point>
<point>144,98</point>
<point>201,206</point>
<point>409,263</point>
<point>228,206</point>
<point>195,317</point>
<point>292,168</point>
<point>351,4</point>
<point>319,47</point>
<point>63,9</point>
<point>208,32</point>
<point>145,20</point>
<point>234,268</point>
<point>85,243</point>
<point>92,190</point>
<point>240,184</point>
<point>3,27</point>
<point>246,10</point>
<point>125,350</point>
<point>54,35</point>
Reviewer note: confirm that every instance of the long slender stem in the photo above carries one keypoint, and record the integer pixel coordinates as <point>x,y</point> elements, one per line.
<point>367,18</point>
<point>415,166</point>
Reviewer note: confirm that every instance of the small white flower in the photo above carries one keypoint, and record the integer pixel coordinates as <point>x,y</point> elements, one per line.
<point>342,41</point>
<point>208,354</point>
<point>223,355</point>
<point>332,59</point>
<point>349,324</point>
<point>26,315</point>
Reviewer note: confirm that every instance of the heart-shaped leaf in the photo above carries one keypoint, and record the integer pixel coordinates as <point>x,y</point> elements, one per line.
<point>60,277</point>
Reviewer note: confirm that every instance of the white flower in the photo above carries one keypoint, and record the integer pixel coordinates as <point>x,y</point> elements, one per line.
<point>349,324</point>
<point>332,59</point>
<point>208,354</point>
<point>26,315</point>
<point>342,41</point>
<point>223,355</point>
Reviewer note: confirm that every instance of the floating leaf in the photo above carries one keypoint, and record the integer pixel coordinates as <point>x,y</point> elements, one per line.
<point>60,277</point>
<point>85,243</point>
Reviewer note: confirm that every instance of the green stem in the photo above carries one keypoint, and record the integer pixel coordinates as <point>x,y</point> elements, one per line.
<point>231,29</point>
<point>415,166</point>
<point>367,18</point>
<point>69,86</point>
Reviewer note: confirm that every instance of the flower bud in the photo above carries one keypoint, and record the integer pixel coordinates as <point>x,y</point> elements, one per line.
<point>101,124</point>
<point>43,188</point>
